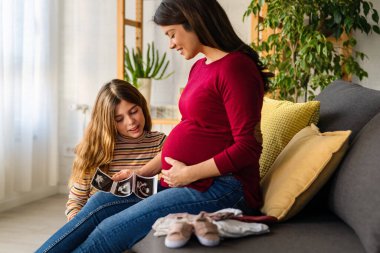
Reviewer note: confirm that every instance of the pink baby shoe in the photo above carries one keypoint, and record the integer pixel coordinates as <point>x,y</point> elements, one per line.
<point>206,231</point>
<point>179,234</point>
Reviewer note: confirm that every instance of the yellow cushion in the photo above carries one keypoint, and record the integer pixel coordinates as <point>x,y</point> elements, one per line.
<point>280,121</point>
<point>301,169</point>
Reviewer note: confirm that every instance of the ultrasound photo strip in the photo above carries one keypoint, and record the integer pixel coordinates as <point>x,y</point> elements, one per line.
<point>142,187</point>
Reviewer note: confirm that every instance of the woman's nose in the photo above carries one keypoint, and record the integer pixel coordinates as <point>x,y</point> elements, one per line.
<point>171,44</point>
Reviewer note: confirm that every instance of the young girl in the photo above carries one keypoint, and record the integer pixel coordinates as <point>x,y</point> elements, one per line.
<point>118,137</point>
<point>210,160</point>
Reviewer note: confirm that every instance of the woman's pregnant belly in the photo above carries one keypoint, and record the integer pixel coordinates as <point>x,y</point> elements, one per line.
<point>192,144</point>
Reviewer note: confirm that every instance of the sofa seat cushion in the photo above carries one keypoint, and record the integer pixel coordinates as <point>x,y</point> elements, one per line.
<point>324,233</point>
<point>355,191</point>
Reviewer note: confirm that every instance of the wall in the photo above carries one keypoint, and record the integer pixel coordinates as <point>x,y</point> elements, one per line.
<point>87,60</point>
<point>369,44</point>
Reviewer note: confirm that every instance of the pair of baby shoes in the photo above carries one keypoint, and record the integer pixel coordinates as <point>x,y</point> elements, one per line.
<point>180,232</point>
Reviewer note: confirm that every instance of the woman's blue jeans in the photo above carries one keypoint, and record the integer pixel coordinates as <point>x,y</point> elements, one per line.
<point>108,223</point>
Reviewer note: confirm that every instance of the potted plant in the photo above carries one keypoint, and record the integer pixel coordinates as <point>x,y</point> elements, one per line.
<point>303,51</point>
<point>139,71</point>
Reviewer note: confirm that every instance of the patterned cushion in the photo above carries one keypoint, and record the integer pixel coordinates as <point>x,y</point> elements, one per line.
<point>280,121</point>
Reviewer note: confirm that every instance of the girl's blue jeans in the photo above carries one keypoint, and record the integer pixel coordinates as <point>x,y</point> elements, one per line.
<point>108,223</point>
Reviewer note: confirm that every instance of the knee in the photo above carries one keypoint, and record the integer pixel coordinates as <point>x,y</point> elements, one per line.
<point>94,202</point>
<point>97,241</point>
<point>99,199</point>
<point>104,239</point>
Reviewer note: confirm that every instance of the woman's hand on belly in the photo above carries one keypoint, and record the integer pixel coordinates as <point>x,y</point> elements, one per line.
<point>177,175</point>
<point>181,174</point>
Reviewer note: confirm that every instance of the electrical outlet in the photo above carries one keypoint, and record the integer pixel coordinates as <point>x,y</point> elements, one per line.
<point>69,150</point>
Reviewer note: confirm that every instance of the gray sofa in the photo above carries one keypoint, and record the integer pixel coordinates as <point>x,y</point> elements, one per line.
<point>343,217</point>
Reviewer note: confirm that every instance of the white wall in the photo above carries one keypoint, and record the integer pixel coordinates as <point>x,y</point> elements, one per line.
<point>369,44</point>
<point>88,59</point>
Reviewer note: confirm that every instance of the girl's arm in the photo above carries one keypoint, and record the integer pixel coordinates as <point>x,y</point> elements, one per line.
<point>78,196</point>
<point>153,167</point>
<point>150,169</point>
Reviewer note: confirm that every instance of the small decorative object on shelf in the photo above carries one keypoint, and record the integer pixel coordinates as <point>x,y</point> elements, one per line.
<point>139,70</point>
<point>165,117</point>
<point>165,112</point>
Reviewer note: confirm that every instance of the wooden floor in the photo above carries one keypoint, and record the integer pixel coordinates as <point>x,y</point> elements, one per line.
<point>25,228</point>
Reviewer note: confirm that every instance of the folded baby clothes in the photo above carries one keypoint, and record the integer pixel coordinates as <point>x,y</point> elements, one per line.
<point>162,225</point>
<point>223,219</point>
<point>224,214</point>
<point>234,228</point>
<point>260,219</point>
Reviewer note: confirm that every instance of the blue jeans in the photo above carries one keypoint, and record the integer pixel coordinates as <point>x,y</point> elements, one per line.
<point>108,223</point>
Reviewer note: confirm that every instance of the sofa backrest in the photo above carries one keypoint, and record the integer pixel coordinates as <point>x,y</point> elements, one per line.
<point>347,106</point>
<point>353,193</point>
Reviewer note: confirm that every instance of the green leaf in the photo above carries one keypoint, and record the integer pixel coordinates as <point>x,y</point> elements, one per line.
<point>375,16</point>
<point>366,8</point>
<point>148,62</point>
<point>325,52</point>
<point>149,65</point>
<point>348,24</point>
<point>337,17</point>
<point>376,29</point>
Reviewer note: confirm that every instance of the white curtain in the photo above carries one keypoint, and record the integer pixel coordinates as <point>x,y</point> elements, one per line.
<point>28,96</point>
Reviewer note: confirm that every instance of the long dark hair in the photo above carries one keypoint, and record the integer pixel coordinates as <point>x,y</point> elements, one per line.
<point>210,23</point>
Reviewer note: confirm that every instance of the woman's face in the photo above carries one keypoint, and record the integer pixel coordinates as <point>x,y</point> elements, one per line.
<point>130,120</point>
<point>185,42</point>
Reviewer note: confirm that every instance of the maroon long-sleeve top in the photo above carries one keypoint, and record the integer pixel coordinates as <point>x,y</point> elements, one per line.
<point>220,106</point>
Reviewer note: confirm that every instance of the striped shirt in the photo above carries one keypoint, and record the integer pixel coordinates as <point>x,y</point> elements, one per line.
<point>128,154</point>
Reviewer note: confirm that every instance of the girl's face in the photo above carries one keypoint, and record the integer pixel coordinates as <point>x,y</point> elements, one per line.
<point>130,120</point>
<point>185,42</point>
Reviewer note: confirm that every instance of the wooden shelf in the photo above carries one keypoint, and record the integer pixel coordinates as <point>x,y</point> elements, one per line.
<point>165,121</point>
<point>121,23</point>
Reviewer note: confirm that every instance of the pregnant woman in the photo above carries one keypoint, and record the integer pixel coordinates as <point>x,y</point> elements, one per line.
<point>210,160</point>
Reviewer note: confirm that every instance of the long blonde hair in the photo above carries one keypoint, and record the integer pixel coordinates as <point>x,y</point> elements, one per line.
<point>97,145</point>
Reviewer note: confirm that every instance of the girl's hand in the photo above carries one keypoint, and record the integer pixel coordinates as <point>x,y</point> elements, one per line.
<point>121,175</point>
<point>177,175</point>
